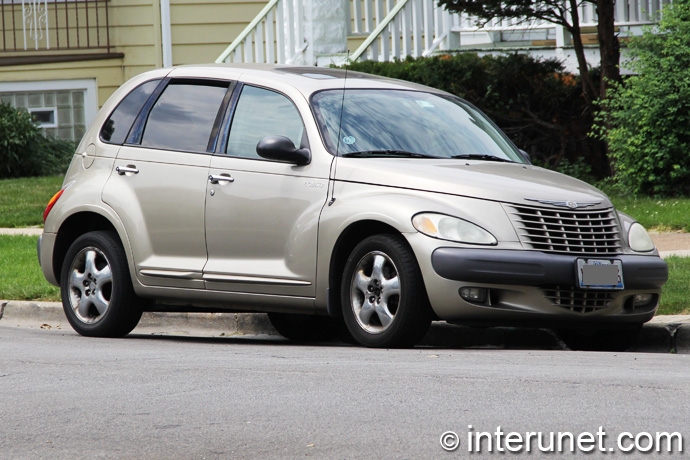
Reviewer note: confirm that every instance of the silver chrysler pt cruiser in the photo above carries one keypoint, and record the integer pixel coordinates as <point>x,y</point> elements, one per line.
<point>338,203</point>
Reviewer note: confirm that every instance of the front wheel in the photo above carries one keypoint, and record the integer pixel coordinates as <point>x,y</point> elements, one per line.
<point>96,287</point>
<point>382,294</point>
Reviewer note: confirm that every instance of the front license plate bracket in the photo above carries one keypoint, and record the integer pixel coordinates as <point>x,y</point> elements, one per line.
<point>600,274</point>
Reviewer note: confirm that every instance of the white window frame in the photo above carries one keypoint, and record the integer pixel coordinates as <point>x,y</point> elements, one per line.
<point>54,124</point>
<point>87,85</point>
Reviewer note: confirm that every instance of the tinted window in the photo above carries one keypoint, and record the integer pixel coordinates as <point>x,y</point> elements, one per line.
<point>115,129</point>
<point>183,117</point>
<point>262,113</point>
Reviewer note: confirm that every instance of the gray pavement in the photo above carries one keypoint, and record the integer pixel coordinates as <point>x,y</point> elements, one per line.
<point>664,334</point>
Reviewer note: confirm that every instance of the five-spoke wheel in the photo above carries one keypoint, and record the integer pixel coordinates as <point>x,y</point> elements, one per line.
<point>383,297</point>
<point>96,288</point>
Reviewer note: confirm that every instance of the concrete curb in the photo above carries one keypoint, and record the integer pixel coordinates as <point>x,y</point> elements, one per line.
<point>664,334</point>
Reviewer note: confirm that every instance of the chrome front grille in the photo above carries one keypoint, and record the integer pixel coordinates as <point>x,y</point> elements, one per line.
<point>578,301</point>
<point>586,232</point>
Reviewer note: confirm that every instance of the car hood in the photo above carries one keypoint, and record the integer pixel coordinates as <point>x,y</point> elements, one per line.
<point>503,182</point>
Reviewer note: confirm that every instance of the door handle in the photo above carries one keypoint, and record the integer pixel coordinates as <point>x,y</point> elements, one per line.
<point>129,169</point>
<point>215,179</point>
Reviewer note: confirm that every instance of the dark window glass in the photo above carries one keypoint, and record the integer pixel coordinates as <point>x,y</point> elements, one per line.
<point>262,113</point>
<point>183,117</point>
<point>115,129</point>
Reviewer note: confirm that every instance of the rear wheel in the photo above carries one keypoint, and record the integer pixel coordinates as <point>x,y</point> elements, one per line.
<point>96,287</point>
<point>383,296</point>
<point>304,328</point>
<point>600,339</point>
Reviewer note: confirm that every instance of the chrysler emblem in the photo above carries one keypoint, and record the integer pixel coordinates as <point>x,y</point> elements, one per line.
<point>566,204</point>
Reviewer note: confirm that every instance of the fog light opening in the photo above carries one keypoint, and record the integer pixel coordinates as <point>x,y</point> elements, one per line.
<point>474,294</point>
<point>640,301</point>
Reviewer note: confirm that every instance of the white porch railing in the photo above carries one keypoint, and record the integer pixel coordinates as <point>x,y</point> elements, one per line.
<point>410,28</point>
<point>420,27</point>
<point>274,36</point>
<point>401,28</point>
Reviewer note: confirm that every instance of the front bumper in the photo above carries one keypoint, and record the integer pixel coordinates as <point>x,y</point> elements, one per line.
<point>534,288</point>
<point>532,268</point>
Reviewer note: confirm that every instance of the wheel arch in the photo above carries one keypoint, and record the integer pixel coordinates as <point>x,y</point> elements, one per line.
<point>72,228</point>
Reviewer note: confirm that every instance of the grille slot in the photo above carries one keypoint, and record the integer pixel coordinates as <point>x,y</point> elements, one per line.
<point>578,301</point>
<point>587,232</point>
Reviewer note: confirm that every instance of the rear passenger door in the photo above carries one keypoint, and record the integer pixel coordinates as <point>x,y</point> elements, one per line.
<point>158,187</point>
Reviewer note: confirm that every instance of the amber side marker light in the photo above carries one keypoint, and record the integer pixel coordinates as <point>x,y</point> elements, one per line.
<point>51,203</point>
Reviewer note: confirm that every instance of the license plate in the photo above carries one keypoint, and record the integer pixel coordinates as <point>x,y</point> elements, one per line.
<point>600,273</point>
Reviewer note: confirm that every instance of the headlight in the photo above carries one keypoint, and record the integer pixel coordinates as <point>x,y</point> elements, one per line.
<point>451,228</point>
<point>639,239</point>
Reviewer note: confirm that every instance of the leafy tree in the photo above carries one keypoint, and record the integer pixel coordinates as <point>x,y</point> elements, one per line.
<point>566,14</point>
<point>647,118</point>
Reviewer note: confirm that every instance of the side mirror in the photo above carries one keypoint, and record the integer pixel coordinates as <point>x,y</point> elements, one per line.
<point>526,156</point>
<point>280,148</point>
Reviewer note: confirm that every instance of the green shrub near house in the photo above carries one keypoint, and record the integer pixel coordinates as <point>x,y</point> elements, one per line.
<point>24,151</point>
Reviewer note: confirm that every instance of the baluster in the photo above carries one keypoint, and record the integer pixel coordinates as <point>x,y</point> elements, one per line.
<point>280,32</point>
<point>270,37</point>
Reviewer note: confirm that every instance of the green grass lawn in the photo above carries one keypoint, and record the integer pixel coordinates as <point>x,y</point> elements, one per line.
<point>21,277</point>
<point>22,201</point>
<point>657,214</point>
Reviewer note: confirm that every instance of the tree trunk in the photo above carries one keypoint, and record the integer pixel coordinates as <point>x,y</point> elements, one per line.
<point>589,90</point>
<point>609,46</point>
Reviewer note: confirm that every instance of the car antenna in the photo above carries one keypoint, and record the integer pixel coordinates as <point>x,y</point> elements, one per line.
<point>340,128</point>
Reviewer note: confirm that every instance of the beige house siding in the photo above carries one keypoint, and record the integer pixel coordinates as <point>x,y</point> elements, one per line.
<point>200,31</point>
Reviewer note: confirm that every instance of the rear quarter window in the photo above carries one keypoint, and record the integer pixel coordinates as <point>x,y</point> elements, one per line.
<point>118,124</point>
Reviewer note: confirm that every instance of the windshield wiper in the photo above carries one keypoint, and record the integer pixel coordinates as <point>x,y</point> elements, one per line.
<point>388,153</point>
<point>481,156</point>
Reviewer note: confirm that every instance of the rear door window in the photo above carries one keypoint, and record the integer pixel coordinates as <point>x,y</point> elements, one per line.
<point>183,117</point>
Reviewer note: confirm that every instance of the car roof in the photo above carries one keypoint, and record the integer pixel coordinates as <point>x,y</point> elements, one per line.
<point>306,79</point>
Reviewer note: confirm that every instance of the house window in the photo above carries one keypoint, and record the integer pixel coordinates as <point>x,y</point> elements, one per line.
<point>73,103</point>
<point>45,118</point>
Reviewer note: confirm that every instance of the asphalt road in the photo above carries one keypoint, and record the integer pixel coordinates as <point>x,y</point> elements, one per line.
<point>63,396</point>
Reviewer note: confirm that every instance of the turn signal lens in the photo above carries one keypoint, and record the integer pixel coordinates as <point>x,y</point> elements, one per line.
<point>51,203</point>
<point>451,228</point>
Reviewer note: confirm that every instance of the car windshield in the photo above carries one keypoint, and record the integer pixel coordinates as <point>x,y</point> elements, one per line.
<point>402,123</point>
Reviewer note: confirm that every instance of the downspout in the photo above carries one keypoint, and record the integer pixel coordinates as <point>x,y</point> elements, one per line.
<point>166,39</point>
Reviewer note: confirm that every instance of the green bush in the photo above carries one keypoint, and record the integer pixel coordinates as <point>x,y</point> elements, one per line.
<point>535,102</point>
<point>24,151</point>
<point>646,121</point>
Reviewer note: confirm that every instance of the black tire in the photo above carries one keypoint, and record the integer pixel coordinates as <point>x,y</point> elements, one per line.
<point>619,339</point>
<point>305,328</point>
<point>383,297</point>
<point>96,287</point>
